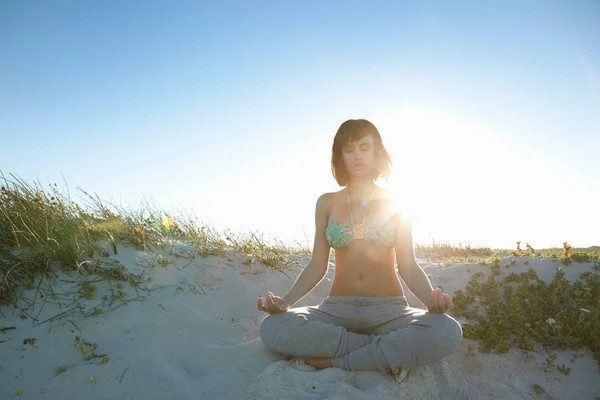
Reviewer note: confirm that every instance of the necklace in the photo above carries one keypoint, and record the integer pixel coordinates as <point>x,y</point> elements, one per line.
<point>358,230</point>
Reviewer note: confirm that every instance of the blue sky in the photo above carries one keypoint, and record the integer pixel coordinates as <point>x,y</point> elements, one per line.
<point>491,109</point>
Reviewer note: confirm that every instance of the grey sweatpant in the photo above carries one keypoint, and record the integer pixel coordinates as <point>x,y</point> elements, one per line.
<point>363,333</point>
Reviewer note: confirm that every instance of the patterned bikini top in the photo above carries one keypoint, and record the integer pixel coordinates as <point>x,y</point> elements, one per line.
<point>380,232</point>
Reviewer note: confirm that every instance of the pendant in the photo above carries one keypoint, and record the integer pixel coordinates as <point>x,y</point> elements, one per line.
<point>358,231</point>
<point>364,202</point>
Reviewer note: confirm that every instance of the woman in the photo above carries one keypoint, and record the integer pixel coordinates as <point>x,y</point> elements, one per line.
<point>365,323</point>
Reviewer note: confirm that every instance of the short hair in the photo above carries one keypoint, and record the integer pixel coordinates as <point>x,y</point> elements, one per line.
<point>353,130</point>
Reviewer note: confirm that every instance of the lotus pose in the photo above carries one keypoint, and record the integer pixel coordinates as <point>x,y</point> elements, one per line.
<point>365,323</point>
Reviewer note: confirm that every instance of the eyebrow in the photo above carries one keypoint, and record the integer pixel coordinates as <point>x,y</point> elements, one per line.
<point>358,142</point>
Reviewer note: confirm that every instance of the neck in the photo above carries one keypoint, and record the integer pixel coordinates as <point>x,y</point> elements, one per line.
<point>360,188</point>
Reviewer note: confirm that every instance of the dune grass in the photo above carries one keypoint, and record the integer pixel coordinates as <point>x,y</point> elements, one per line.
<point>450,252</point>
<point>446,253</point>
<point>42,231</point>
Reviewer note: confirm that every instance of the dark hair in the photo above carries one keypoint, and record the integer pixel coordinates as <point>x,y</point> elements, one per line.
<point>350,131</point>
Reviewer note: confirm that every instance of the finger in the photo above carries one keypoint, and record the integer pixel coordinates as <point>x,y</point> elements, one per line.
<point>432,306</point>
<point>272,305</point>
<point>436,298</point>
<point>261,305</point>
<point>447,298</point>
<point>273,300</point>
<point>440,299</point>
<point>276,305</point>
<point>431,302</point>
<point>442,303</point>
<point>268,303</point>
<point>448,301</point>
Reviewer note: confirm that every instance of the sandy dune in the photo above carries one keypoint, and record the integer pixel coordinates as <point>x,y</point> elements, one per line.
<point>193,334</point>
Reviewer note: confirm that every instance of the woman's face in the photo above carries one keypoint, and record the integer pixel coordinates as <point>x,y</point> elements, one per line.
<point>359,157</point>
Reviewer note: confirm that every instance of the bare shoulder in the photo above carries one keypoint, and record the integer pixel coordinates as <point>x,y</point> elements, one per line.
<point>326,198</point>
<point>324,202</point>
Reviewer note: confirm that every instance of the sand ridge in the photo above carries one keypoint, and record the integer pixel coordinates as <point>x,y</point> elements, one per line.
<point>194,333</point>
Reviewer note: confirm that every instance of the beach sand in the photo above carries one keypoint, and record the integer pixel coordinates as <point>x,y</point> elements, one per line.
<point>194,334</point>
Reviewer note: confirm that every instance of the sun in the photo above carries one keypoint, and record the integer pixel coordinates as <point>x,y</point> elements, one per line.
<point>429,150</point>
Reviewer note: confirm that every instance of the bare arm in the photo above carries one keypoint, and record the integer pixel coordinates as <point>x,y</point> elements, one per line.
<point>319,262</point>
<point>408,268</point>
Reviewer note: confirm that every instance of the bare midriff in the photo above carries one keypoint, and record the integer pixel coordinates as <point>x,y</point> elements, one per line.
<point>365,269</point>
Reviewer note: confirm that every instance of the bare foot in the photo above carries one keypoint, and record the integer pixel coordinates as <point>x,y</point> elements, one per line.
<point>318,362</point>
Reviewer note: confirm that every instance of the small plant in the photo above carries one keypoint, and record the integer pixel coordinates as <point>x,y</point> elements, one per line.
<point>531,251</point>
<point>564,369</point>
<point>470,350</point>
<point>578,354</point>
<point>96,312</point>
<point>496,267</point>
<point>538,389</point>
<point>88,290</point>
<point>566,256</point>
<point>17,393</point>
<point>553,254</point>
<point>519,251</point>
<point>549,362</point>
<point>88,349</point>
<point>61,369</point>
<point>528,356</point>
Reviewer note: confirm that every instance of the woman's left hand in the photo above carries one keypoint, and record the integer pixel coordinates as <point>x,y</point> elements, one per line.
<point>439,302</point>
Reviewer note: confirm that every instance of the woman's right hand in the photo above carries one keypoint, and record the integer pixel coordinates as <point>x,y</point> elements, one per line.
<point>272,304</point>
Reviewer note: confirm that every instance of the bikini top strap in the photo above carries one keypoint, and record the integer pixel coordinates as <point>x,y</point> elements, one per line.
<point>350,209</point>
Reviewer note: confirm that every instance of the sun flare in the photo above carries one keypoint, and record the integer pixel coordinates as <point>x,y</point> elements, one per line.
<point>436,156</point>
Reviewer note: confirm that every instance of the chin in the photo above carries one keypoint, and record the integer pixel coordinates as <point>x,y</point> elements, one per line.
<point>366,173</point>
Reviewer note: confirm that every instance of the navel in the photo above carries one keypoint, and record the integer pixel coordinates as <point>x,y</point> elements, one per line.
<point>360,277</point>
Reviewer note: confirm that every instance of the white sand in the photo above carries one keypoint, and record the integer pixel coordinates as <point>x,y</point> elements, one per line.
<point>180,343</point>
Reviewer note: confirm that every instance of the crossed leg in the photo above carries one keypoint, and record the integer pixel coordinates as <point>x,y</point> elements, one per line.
<point>404,338</point>
<point>315,331</point>
<point>397,336</point>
